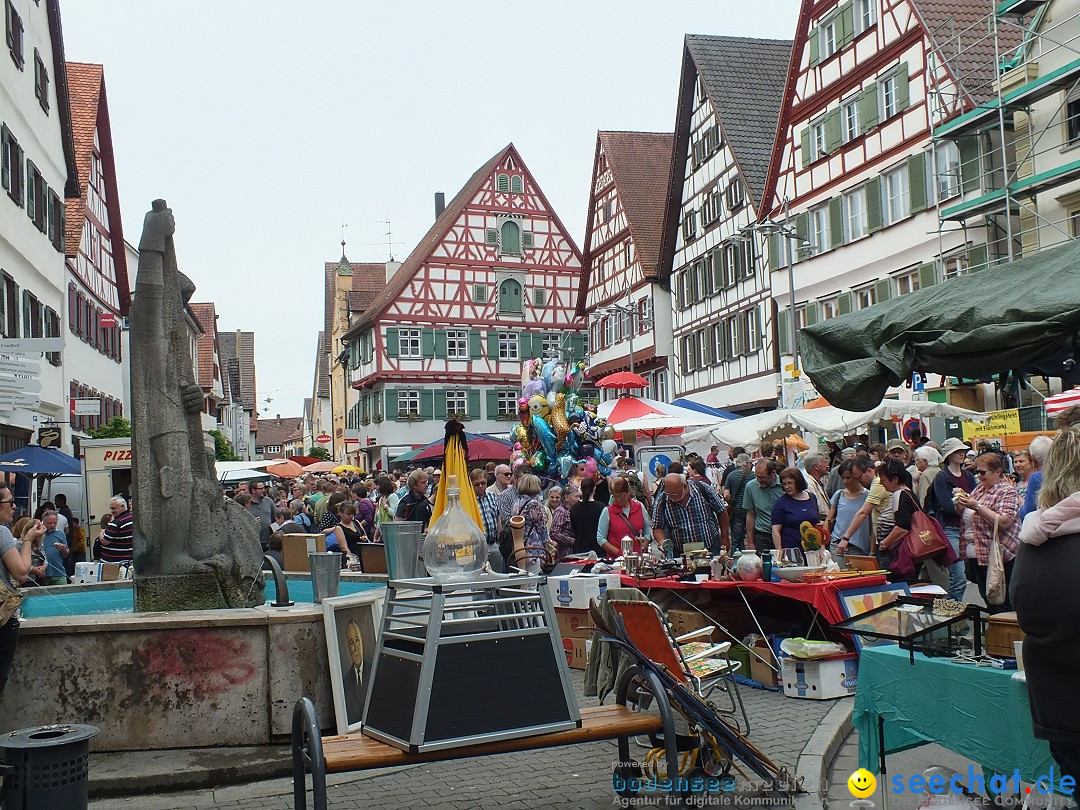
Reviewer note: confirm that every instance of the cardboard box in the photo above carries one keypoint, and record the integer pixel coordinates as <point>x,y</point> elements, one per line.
<point>687,621</point>
<point>821,678</point>
<point>577,652</point>
<point>294,550</point>
<point>110,572</point>
<point>759,670</point>
<point>574,623</point>
<point>577,590</point>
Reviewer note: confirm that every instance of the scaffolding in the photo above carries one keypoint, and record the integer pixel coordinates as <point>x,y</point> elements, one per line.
<point>992,162</point>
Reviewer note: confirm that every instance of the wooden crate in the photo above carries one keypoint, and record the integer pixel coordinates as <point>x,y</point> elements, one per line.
<point>1002,630</point>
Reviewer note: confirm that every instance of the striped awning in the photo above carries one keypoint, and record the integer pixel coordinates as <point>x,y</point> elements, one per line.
<point>1059,402</point>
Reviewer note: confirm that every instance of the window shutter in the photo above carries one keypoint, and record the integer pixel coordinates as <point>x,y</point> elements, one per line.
<point>834,131</point>
<point>392,342</point>
<point>715,263</point>
<point>525,345</point>
<point>927,275</point>
<point>836,221</point>
<point>516,184</point>
<point>680,289</point>
<point>916,166</point>
<point>873,205</point>
<point>577,346</point>
<point>902,86</point>
<point>812,313</point>
<point>492,236</point>
<point>475,350</point>
<point>492,403</point>
<point>977,257</point>
<point>774,252</point>
<point>802,230</point>
<point>783,330</point>
<point>527,240</point>
<point>438,399</point>
<point>27,307</point>
<point>813,46</point>
<point>847,23</point>
<point>844,303</point>
<point>474,404</point>
<point>493,345</point>
<point>31,209</point>
<point>440,344</point>
<point>502,182</point>
<point>5,157</point>
<point>969,162</point>
<point>868,108</point>
<point>61,234</point>
<point>427,404</point>
<point>807,157</point>
<point>883,290</point>
<point>391,403</point>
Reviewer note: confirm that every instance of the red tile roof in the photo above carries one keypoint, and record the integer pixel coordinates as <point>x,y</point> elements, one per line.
<point>280,431</point>
<point>206,315</point>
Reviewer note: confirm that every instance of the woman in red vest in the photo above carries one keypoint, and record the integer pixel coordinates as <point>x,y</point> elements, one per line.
<point>624,517</point>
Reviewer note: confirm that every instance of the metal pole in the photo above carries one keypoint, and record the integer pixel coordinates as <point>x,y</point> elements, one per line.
<point>789,237</point>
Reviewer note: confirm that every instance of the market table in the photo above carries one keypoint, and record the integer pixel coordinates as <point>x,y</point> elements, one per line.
<point>979,712</point>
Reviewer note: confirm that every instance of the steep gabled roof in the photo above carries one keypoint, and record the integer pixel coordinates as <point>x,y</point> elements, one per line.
<point>745,82</point>
<point>206,315</point>
<point>322,368</point>
<point>89,116</point>
<point>367,278</point>
<point>400,280</point>
<point>280,431</point>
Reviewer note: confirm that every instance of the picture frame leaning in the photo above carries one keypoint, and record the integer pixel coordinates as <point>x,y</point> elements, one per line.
<point>352,627</point>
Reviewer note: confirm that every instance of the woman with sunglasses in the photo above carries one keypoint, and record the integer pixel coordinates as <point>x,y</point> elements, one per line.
<point>993,498</point>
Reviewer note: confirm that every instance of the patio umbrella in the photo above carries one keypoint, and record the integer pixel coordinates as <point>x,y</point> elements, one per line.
<point>406,456</point>
<point>641,413</point>
<point>346,468</point>
<point>481,448</point>
<point>622,379</point>
<point>35,460</point>
<point>235,476</point>
<point>684,402</point>
<point>285,468</point>
<point>321,467</point>
<point>1059,402</point>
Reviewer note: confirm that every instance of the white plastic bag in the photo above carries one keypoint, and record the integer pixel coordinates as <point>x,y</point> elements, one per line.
<point>806,649</point>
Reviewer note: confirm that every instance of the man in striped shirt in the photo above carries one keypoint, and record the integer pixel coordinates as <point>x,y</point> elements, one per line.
<point>116,536</point>
<point>690,512</point>
<point>489,513</point>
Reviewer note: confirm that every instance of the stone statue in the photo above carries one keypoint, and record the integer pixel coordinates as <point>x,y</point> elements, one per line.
<point>194,548</point>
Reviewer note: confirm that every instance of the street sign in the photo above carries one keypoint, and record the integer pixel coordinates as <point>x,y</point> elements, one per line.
<point>106,319</point>
<point>31,345</point>
<point>86,407</point>
<point>324,438</point>
<point>13,366</point>
<point>918,382</point>
<point>912,430</point>
<point>19,384</point>
<point>50,436</point>
<point>19,399</point>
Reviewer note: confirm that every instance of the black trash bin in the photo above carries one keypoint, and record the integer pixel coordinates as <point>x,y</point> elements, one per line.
<point>49,767</point>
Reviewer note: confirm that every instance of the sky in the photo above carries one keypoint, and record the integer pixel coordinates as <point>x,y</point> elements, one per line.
<point>267,124</point>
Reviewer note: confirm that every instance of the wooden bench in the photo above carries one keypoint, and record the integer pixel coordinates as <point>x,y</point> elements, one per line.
<point>355,752</point>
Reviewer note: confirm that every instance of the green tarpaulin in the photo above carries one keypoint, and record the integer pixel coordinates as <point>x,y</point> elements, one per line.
<point>1023,315</point>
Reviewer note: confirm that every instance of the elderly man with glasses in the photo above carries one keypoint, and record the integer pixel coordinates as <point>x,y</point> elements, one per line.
<point>689,512</point>
<point>503,477</point>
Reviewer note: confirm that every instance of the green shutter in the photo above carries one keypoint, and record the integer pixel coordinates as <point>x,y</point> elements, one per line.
<point>474,404</point>
<point>902,85</point>
<point>525,345</point>
<point>916,166</point>
<point>492,236</point>
<point>440,344</point>
<point>847,23</point>
<point>977,257</point>
<point>438,399</point>
<point>927,275</point>
<point>30,207</point>
<point>492,403</point>
<point>577,346</point>
<point>28,325</point>
<point>427,404</point>
<point>493,345</point>
<point>813,46</point>
<point>783,330</point>
<point>834,130</point>
<point>806,156</point>
<point>774,252</point>
<point>802,230</point>
<point>844,303</point>
<point>883,290</point>
<point>868,108</point>
<point>475,350</point>
<point>873,205</point>
<point>427,343</point>
<point>836,221</point>
<point>813,313</point>
<point>391,404</point>
<point>968,147</point>
<point>392,342</point>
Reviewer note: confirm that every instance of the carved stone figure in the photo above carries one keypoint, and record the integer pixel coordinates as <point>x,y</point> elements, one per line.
<point>194,549</point>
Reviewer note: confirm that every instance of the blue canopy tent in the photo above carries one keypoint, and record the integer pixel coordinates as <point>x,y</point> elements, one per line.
<point>683,402</point>
<point>33,461</point>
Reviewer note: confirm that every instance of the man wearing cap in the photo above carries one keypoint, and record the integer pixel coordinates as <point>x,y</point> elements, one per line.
<point>941,504</point>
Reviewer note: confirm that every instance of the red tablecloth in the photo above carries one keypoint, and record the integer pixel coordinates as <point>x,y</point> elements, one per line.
<point>821,595</point>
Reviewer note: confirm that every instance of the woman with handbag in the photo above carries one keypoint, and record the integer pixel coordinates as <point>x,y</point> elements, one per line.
<point>906,535</point>
<point>995,520</point>
<point>530,507</point>
<point>15,566</point>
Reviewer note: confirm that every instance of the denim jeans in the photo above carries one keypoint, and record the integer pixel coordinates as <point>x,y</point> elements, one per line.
<point>957,577</point>
<point>738,531</point>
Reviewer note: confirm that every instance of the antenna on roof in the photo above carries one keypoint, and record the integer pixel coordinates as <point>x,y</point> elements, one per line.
<point>389,242</point>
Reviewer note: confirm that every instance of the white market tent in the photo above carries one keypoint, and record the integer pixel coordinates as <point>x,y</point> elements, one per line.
<point>830,423</point>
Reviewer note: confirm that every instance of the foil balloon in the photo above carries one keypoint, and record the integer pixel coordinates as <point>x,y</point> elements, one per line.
<point>570,446</point>
<point>519,434</point>
<point>545,434</point>
<point>558,419</point>
<point>590,468</point>
<point>538,406</point>
<point>609,446</point>
<point>551,399</point>
<point>538,461</point>
<point>576,373</point>
<point>558,378</point>
<point>566,461</point>
<point>545,374</point>
<point>608,432</point>
<point>533,388</point>
<point>524,414</point>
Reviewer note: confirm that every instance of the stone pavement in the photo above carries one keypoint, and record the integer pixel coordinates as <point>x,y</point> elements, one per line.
<point>576,776</point>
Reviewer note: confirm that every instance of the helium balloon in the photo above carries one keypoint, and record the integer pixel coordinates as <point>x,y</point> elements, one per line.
<point>538,405</point>
<point>545,374</point>
<point>609,432</point>
<point>558,419</point>
<point>533,388</point>
<point>538,460</point>
<point>590,467</point>
<point>565,463</point>
<point>558,377</point>
<point>609,446</point>
<point>545,434</point>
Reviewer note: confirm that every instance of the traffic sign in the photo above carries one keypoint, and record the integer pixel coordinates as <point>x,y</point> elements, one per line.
<point>13,366</point>
<point>324,438</point>
<point>89,406</point>
<point>912,430</point>
<point>31,345</point>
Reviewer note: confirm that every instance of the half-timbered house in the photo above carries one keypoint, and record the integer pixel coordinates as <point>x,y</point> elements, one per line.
<point>493,282</point>
<point>628,307</point>
<point>729,100</point>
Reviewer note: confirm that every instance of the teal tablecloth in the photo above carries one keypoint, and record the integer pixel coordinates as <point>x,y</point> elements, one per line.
<point>978,712</point>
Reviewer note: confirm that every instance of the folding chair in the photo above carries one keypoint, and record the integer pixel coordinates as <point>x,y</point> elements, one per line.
<point>701,664</point>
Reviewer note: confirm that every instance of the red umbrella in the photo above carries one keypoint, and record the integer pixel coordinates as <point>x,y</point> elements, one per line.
<point>481,448</point>
<point>622,379</point>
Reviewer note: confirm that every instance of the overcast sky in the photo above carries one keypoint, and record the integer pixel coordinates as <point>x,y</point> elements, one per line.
<point>266,123</point>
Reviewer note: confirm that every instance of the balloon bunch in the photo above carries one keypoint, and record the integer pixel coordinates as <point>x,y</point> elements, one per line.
<point>559,436</point>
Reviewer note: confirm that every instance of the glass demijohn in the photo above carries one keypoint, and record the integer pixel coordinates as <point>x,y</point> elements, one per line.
<point>455,549</point>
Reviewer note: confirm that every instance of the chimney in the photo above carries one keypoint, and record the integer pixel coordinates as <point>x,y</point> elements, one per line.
<point>440,203</point>
<point>391,268</point>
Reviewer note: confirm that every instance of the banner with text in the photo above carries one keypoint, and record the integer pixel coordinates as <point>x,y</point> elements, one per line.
<point>1000,423</point>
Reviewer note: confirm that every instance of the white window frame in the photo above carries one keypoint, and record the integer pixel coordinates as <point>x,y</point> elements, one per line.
<point>644,315</point>
<point>689,225</point>
<point>818,141</point>
<point>889,91</point>
<point>855,218</point>
<point>509,346</point>
<point>818,227</point>
<point>905,282</point>
<point>954,266</point>
<point>896,195</point>
<point>609,330</point>
<point>828,308</point>
<point>851,119</point>
<point>457,344</point>
<point>551,344</point>
<point>827,37</point>
<point>408,402</point>
<point>628,254</point>
<point>734,194</point>
<point>507,403</point>
<point>864,14</point>
<point>410,346</point>
<point>800,317</point>
<point>946,170</point>
<point>864,297</point>
<point>457,401</point>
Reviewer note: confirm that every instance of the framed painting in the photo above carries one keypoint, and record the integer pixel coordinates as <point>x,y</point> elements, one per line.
<point>352,628</point>
<point>856,601</point>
